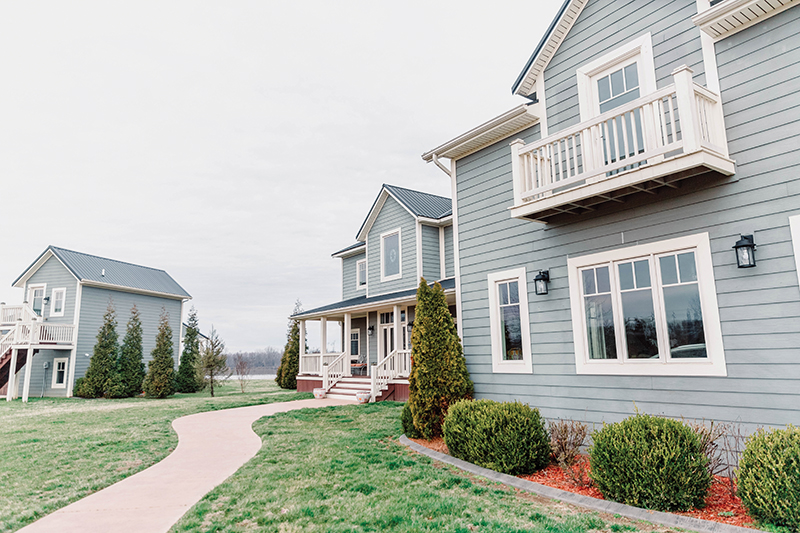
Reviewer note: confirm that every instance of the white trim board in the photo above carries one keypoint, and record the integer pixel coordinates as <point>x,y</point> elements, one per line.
<point>794,226</point>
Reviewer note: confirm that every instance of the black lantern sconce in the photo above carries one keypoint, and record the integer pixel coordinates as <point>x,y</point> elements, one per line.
<point>410,327</point>
<point>370,331</point>
<point>540,282</point>
<point>46,300</point>
<point>745,252</point>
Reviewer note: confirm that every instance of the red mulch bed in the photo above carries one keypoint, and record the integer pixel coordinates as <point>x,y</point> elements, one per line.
<point>719,499</point>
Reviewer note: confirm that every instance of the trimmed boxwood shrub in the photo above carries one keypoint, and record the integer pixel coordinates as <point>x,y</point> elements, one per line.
<point>769,477</point>
<point>407,419</point>
<point>651,462</point>
<point>506,437</point>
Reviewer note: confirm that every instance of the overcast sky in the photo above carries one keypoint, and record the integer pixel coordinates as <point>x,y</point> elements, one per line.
<point>236,144</point>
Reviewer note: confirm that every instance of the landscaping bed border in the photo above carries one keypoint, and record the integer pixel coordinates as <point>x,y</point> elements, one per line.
<point>605,506</point>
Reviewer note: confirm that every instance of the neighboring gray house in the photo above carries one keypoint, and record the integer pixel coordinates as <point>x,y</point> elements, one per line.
<point>49,339</point>
<point>406,235</point>
<point>656,137</point>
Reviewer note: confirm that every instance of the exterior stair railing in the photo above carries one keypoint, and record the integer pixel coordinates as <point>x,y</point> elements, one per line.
<point>394,365</point>
<point>333,371</point>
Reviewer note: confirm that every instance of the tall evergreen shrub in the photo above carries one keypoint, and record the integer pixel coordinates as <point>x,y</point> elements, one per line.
<point>160,380</point>
<point>439,375</point>
<point>187,379</point>
<point>213,365</point>
<point>131,364</point>
<point>101,376</point>
<point>286,377</point>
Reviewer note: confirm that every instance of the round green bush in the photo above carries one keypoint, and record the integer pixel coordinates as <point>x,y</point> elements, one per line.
<point>769,477</point>
<point>651,462</point>
<point>505,437</point>
<point>407,419</point>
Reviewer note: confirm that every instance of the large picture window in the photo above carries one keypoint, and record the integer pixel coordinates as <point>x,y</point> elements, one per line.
<point>390,256</point>
<point>648,309</point>
<point>510,322</point>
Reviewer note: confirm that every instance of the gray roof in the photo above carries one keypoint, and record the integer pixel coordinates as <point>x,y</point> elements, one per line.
<point>90,268</point>
<point>422,204</point>
<point>539,47</point>
<point>447,284</point>
<point>351,247</point>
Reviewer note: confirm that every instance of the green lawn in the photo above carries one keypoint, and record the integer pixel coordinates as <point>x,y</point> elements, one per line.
<point>56,451</point>
<point>341,469</point>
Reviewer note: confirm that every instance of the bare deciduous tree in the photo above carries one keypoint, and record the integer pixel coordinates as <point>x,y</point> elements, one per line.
<point>241,367</point>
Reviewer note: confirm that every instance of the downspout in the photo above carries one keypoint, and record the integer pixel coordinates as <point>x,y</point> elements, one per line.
<point>441,166</point>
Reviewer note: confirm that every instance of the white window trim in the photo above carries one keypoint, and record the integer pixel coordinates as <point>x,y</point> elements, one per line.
<point>63,292</point>
<point>499,366</point>
<point>399,254</point>
<point>349,344</point>
<point>640,50</point>
<point>366,275</point>
<point>33,286</point>
<point>713,365</point>
<point>794,226</point>
<point>53,384</point>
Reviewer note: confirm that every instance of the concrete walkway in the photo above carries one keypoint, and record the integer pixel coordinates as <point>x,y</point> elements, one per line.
<point>211,447</point>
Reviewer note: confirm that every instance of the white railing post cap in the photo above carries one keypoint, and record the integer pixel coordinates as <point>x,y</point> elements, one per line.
<point>516,142</point>
<point>681,69</point>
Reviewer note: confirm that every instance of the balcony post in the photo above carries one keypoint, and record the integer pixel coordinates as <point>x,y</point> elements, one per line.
<point>12,376</point>
<point>687,108</point>
<point>516,170</point>
<point>26,385</point>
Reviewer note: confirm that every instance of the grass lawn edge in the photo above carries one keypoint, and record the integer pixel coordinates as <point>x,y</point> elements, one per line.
<point>628,511</point>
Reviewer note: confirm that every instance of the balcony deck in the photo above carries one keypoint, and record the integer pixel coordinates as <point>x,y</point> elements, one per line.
<point>673,134</point>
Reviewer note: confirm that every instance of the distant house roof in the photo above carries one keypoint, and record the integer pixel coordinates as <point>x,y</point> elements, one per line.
<point>100,271</point>
<point>419,204</point>
<point>352,248</point>
<point>362,301</point>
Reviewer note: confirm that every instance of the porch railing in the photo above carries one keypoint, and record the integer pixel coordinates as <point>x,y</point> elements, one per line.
<point>683,117</point>
<point>6,342</point>
<point>11,314</point>
<point>394,365</point>
<point>311,363</point>
<point>37,333</point>
<point>334,371</point>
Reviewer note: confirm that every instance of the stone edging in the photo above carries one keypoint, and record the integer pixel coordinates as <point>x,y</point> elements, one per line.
<point>666,519</point>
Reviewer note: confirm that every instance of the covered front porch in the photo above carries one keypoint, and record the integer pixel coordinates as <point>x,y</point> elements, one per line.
<point>375,336</point>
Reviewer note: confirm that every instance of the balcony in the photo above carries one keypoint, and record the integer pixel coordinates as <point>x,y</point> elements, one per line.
<point>669,135</point>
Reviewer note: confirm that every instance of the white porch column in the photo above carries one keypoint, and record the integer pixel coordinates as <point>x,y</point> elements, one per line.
<point>12,376</point>
<point>323,335</point>
<point>302,345</point>
<point>397,337</point>
<point>26,387</point>
<point>346,344</point>
<point>73,359</point>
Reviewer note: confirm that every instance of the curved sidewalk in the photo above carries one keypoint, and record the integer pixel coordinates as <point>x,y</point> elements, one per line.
<point>211,447</point>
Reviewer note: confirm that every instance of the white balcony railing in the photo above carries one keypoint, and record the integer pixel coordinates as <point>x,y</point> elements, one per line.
<point>37,333</point>
<point>621,148</point>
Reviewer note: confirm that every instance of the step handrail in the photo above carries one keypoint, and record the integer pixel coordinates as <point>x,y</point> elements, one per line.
<point>382,373</point>
<point>333,371</point>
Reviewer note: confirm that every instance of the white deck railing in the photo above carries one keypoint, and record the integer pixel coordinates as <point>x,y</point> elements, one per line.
<point>311,363</point>
<point>6,342</point>
<point>11,314</point>
<point>28,333</point>
<point>681,118</point>
<point>334,371</point>
<point>394,365</point>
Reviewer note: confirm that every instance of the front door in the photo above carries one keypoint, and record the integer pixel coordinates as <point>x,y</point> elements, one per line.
<point>385,335</point>
<point>36,299</point>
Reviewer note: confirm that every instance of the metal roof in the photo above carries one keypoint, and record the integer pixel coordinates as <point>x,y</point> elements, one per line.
<point>422,204</point>
<point>90,268</point>
<point>447,284</point>
<point>349,248</point>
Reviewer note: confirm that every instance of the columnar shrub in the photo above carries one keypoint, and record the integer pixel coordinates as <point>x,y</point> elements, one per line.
<point>439,375</point>
<point>286,377</point>
<point>769,477</point>
<point>131,365</point>
<point>651,462</point>
<point>187,380</point>
<point>407,420</point>
<point>160,380</point>
<point>101,376</point>
<point>506,437</point>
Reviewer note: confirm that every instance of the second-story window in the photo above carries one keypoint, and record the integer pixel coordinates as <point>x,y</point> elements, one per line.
<point>57,302</point>
<point>361,274</point>
<point>390,256</point>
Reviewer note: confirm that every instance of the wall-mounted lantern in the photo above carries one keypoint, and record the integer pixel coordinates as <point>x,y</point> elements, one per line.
<point>370,331</point>
<point>540,282</point>
<point>410,327</point>
<point>745,252</point>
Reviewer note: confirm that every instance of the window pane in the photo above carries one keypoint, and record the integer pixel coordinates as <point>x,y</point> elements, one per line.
<point>631,77</point>
<point>617,101</point>
<point>600,327</point>
<point>354,347</point>
<point>603,89</point>
<point>391,255</point>
<point>617,83</point>
<point>513,292</point>
<point>669,273</point>
<point>512,334</point>
<point>603,283</point>
<point>588,281</point>
<point>640,324</point>
<point>503,290</point>
<point>684,321</point>
<point>626,276</point>
<point>687,267</point>
<point>642,270</point>
<point>362,273</point>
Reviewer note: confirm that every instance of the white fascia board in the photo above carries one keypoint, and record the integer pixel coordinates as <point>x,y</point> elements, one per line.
<point>509,123</point>
<point>23,279</point>
<point>374,306</point>
<point>353,251</point>
<point>121,288</point>
<point>439,222</point>
<point>373,215</point>
<point>732,16</point>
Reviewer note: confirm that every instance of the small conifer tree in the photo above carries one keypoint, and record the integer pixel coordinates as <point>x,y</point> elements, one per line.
<point>160,380</point>
<point>101,377</point>
<point>286,377</point>
<point>131,364</point>
<point>187,379</point>
<point>213,365</point>
<point>439,375</point>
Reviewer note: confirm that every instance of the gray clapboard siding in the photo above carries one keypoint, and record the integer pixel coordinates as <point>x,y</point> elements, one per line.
<point>56,276</point>
<point>391,217</point>
<point>449,253</point>
<point>349,277</point>
<point>759,308</point>
<point>431,260</point>
<point>42,378</point>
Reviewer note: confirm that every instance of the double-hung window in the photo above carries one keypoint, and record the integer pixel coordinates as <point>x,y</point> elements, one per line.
<point>510,322</point>
<point>648,309</point>
<point>355,343</point>
<point>390,256</point>
<point>361,274</point>
<point>59,380</point>
<point>57,300</point>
